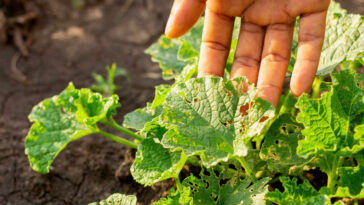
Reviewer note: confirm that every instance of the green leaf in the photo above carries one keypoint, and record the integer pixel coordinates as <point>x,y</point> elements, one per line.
<point>165,52</point>
<point>139,117</point>
<point>153,162</point>
<point>213,189</point>
<point>344,40</point>
<point>118,199</point>
<point>327,120</point>
<point>351,182</point>
<point>179,197</point>
<point>205,116</point>
<point>61,119</point>
<point>280,144</point>
<point>297,194</point>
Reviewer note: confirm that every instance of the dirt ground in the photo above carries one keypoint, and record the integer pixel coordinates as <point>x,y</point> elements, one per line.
<point>68,43</point>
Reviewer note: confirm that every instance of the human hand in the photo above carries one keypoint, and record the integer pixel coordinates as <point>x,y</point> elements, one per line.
<point>264,45</point>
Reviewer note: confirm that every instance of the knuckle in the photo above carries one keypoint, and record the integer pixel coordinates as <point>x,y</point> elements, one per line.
<point>309,37</point>
<point>280,27</point>
<point>276,57</point>
<point>247,61</point>
<point>214,45</point>
<point>251,28</point>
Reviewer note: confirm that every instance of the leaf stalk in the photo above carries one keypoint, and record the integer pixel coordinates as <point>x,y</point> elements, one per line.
<point>247,169</point>
<point>111,123</point>
<point>316,87</point>
<point>178,183</point>
<point>118,139</point>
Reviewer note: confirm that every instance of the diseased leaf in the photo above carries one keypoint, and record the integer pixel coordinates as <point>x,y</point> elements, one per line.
<point>351,182</point>
<point>297,194</point>
<point>118,199</point>
<point>205,116</point>
<point>177,197</point>
<point>211,189</point>
<point>153,162</point>
<point>280,144</point>
<point>61,119</point>
<point>327,120</point>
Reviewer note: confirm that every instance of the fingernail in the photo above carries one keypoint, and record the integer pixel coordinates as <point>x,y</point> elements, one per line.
<point>169,25</point>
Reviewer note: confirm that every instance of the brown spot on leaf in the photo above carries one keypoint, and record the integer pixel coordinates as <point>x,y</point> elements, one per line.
<point>244,109</point>
<point>263,119</point>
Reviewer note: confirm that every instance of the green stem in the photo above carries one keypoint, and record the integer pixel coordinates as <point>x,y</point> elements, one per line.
<point>316,87</point>
<point>248,171</point>
<point>118,139</point>
<point>178,183</point>
<point>111,123</point>
<point>288,105</point>
<point>335,163</point>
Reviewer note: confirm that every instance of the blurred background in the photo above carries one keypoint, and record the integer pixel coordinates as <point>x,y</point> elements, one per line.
<point>44,44</point>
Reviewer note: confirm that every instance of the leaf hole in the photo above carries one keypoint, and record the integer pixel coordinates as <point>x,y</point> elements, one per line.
<point>216,173</point>
<point>288,129</point>
<point>206,173</point>
<point>277,142</point>
<point>214,197</point>
<point>207,184</point>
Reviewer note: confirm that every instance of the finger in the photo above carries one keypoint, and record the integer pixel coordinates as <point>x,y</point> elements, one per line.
<point>248,52</point>
<point>310,40</point>
<point>275,60</point>
<point>184,15</point>
<point>215,47</point>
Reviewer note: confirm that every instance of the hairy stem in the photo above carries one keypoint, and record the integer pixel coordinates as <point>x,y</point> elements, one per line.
<point>118,139</point>
<point>332,164</point>
<point>248,170</point>
<point>178,183</point>
<point>316,87</point>
<point>111,123</point>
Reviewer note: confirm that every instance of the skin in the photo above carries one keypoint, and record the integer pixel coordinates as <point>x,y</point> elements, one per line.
<point>265,39</point>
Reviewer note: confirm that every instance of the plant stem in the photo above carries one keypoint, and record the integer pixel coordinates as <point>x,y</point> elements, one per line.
<point>335,162</point>
<point>248,171</point>
<point>118,139</point>
<point>178,183</point>
<point>316,87</point>
<point>111,123</point>
<point>288,105</point>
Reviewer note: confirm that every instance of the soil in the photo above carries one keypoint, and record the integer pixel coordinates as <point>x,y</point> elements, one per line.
<point>68,43</point>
